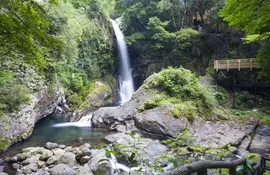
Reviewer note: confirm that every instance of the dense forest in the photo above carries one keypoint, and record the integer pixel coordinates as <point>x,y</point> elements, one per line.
<point>73,40</point>
<point>62,55</point>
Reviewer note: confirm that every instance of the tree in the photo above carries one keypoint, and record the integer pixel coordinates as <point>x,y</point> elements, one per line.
<point>23,32</point>
<point>253,17</point>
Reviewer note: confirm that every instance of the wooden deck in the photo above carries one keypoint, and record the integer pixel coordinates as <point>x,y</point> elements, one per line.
<point>236,64</point>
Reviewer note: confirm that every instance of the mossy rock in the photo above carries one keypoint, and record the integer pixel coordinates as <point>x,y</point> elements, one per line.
<point>4,143</point>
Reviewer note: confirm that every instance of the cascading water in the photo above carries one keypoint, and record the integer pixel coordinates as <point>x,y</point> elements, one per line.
<point>125,79</point>
<point>85,121</point>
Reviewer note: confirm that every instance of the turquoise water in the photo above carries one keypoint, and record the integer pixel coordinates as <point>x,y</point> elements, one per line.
<point>71,136</point>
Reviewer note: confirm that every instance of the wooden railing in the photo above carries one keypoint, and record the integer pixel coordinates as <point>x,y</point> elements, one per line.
<point>201,167</point>
<point>236,64</point>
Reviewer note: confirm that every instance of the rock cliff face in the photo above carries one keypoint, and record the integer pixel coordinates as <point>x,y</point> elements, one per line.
<point>19,126</point>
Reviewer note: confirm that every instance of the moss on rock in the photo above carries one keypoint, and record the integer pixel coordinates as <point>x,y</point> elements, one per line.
<point>181,89</point>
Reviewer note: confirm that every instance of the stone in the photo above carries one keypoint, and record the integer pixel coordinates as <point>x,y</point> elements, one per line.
<point>62,169</point>
<point>242,152</point>
<point>3,173</point>
<point>28,169</point>
<point>12,159</point>
<point>147,148</point>
<point>51,160</point>
<point>2,168</point>
<point>160,121</point>
<point>245,143</point>
<point>232,149</point>
<point>100,168</point>
<point>68,158</point>
<point>50,145</point>
<point>84,170</point>
<point>83,152</point>
<point>16,166</point>
<point>58,152</point>
<point>62,146</point>
<point>219,134</point>
<point>84,159</point>
<point>261,141</point>
<point>45,154</point>
<point>31,160</point>
<point>1,161</point>
<point>40,164</point>
<point>22,156</point>
<point>85,146</point>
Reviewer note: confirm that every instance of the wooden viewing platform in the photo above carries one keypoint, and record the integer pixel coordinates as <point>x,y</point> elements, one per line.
<point>236,64</point>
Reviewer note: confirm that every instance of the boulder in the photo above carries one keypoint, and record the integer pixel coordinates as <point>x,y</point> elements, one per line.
<point>221,133</point>
<point>261,141</point>
<point>68,158</point>
<point>149,149</point>
<point>31,160</point>
<point>28,169</point>
<point>102,94</point>
<point>62,169</point>
<point>97,167</point>
<point>51,160</point>
<point>50,145</point>
<point>58,152</point>
<point>45,154</point>
<point>84,170</point>
<point>113,117</point>
<point>84,159</point>
<point>160,121</point>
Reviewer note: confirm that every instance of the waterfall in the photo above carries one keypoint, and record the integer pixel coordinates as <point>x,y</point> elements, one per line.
<point>85,121</point>
<point>125,79</point>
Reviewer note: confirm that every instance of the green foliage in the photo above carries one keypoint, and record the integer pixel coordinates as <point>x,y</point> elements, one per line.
<point>253,18</point>
<point>222,97</point>
<point>186,109</point>
<point>23,32</point>
<point>183,89</point>
<point>12,94</point>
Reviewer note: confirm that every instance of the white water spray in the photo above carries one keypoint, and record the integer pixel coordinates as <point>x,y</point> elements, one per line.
<point>85,121</point>
<point>125,80</point>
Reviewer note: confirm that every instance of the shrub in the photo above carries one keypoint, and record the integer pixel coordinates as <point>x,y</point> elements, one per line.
<point>183,89</point>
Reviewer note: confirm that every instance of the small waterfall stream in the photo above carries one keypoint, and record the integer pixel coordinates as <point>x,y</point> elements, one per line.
<point>125,79</point>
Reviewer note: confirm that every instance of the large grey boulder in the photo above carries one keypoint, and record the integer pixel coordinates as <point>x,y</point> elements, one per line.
<point>62,169</point>
<point>148,149</point>
<point>68,158</point>
<point>121,117</point>
<point>261,141</point>
<point>221,133</point>
<point>102,94</point>
<point>160,121</point>
<point>97,166</point>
